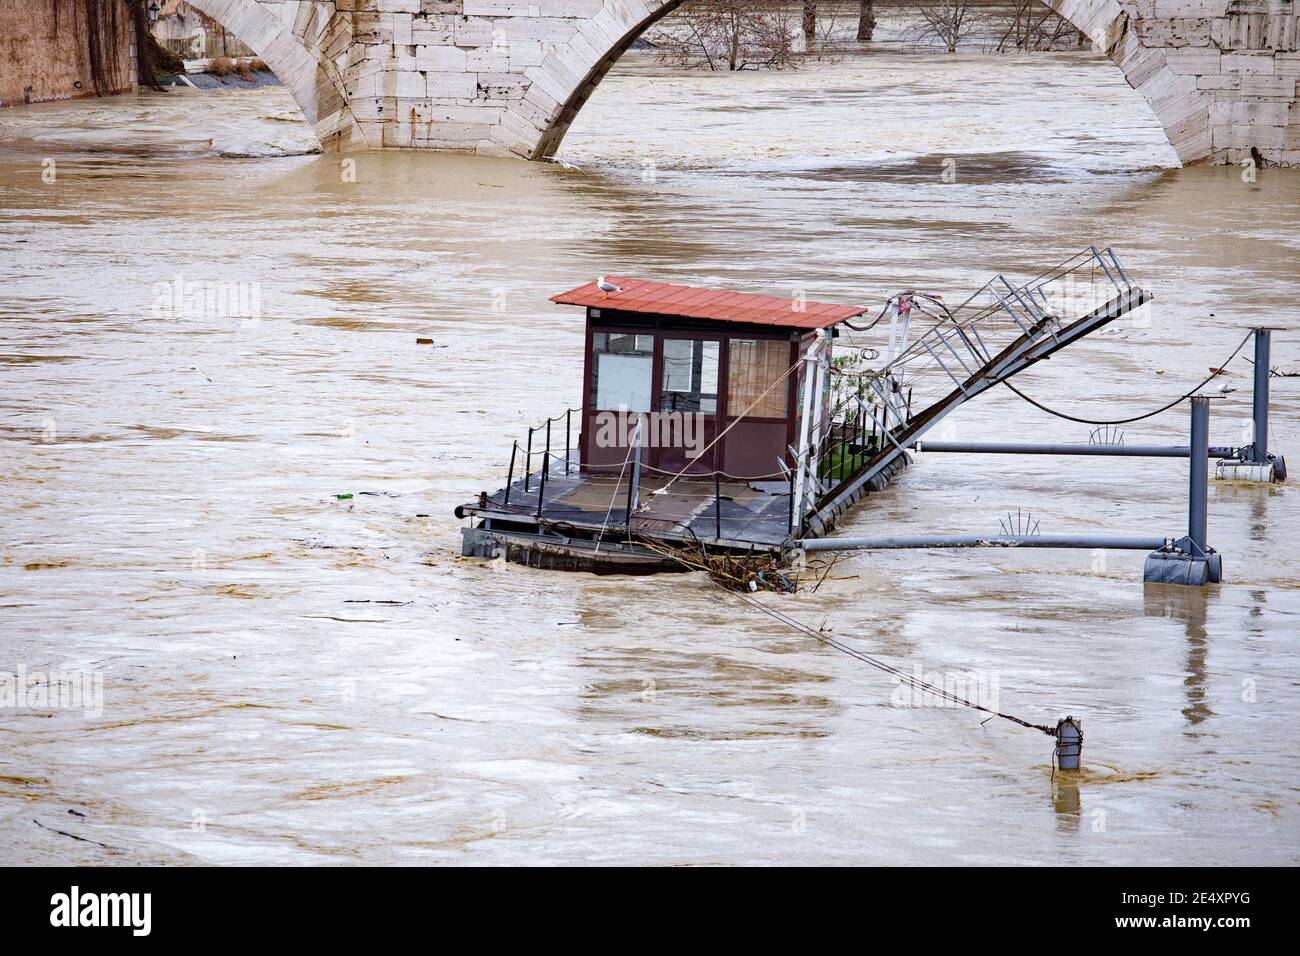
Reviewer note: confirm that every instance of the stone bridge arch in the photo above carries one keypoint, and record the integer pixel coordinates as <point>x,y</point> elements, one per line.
<point>299,42</point>
<point>508,77</point>
<point>1140,46</point>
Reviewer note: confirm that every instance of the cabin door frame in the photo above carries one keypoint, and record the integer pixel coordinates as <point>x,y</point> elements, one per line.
<point>687,429</point>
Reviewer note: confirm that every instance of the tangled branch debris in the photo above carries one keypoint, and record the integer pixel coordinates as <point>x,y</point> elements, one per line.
<point>747,572</point>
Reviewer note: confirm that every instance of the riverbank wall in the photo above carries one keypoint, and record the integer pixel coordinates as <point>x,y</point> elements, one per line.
<point>65,49</point>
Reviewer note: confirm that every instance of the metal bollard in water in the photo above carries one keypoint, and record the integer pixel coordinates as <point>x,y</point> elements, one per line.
<point>1069,743</point>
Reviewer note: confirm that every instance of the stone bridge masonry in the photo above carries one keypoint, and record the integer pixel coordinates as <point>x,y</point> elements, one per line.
<point>508,77</point>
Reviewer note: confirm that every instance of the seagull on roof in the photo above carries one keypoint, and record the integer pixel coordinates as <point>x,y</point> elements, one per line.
<point>605,286</point>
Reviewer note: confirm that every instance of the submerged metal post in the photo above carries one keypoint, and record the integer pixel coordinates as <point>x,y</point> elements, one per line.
<point>1069,743</point>
<point>1255,462</point>
<point>1198,477</point>
<point>568,423</point>
<point>1260,409</point>
<point>1190,560</point>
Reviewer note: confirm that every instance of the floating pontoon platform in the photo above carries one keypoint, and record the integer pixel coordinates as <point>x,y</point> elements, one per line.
<point>776,461</point>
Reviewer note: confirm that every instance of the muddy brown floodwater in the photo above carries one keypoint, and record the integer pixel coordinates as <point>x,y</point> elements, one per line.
<point>294,678</point>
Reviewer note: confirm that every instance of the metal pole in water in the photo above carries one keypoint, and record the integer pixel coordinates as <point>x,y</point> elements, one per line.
<point>1260,416</point>
<point>1069,743</point>
<point>1198,479</point>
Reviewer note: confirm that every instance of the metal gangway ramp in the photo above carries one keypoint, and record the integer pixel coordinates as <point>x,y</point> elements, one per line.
<point>1002,329</point>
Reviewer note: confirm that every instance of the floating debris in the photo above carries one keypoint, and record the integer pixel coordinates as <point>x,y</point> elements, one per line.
<point>746,572</point>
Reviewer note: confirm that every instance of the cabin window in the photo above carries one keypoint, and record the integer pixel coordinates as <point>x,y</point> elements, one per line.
<point>753,366</point>
<point>690,379</point>
<point>622,371</point>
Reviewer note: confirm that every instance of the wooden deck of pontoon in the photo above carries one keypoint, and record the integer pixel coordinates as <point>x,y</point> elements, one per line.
<point>582,510</point>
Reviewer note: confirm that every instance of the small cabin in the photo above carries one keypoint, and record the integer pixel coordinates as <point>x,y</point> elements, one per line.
<point>688,362</point>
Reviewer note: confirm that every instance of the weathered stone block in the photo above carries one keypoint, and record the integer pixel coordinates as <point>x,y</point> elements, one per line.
<point>1190,31</point>
<point>402,84</point>
<point>1248,113</point>
<point>373,108</point>
<point>501,86</point>
<point>1256,63</point>
<point>1245,136</point>
<point>452,85</point>
<point>1173,9</point>
<point>440,59</point>
<point>398,135</point>
<point>478,32</point>
<point>1283,86</point>
<point>486,60</point>
<point>1193,61</point>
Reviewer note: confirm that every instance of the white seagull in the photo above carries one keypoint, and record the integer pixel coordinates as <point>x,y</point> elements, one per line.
<point>605,286</point>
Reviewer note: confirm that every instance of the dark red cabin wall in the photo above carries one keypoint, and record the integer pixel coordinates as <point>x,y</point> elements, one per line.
<point>751,448</point>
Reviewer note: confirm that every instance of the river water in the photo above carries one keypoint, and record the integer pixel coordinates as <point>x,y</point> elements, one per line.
<point>291,677</point>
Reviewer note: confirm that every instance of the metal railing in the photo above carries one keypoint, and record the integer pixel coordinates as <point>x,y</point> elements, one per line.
<point>951,360</point>
<point>546,454</point>
<point>541,442</point>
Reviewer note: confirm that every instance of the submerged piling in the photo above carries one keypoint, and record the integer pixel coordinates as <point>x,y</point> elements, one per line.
<point>1069,743</point>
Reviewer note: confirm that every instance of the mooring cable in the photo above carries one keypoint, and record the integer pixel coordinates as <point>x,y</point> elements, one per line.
<point>909,679</point>
<point>610,510</point>
<point>1217,371</point>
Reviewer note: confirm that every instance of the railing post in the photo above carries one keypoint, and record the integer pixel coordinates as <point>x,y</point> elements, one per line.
<point>789,521</point>
<point>1198,478</point>
<point>634,480</point>
<point>717,505</point>
<point>510,474</point>
<point>862,440</point>
<point>546,466</point>
<point>1261,394</point>
<point>568,421</point>
<point>528,460</point>
<point>811,404</point>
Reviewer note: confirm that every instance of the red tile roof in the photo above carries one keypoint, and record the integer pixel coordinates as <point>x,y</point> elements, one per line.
<point>642,295</point>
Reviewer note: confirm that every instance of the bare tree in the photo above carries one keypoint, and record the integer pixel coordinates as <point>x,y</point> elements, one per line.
<point>1030,25</point>
<point>728,35</point>
<point>948,21</point>
<point>866,19</point>
<point>809,22</point>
